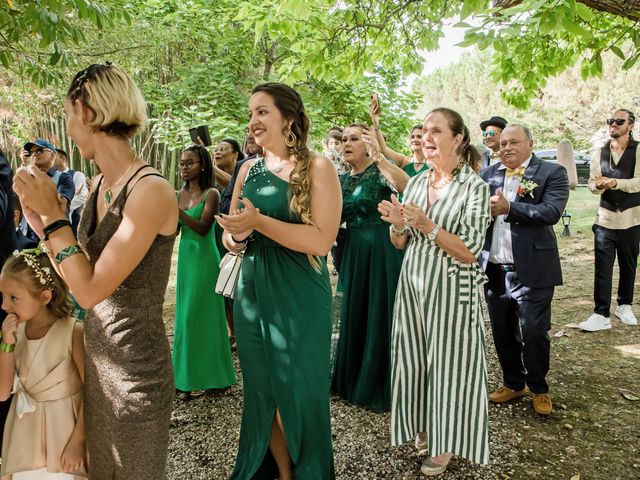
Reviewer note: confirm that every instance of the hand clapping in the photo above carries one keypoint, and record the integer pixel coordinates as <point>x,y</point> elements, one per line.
<point>605,183</point>
<point>499,204</point>
<point>240,223</point>
<point>400,215</point>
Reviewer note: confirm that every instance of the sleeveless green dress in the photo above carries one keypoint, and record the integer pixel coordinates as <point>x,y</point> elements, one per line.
<point>369,274</point>
<point>282,313</point>
<point>201,351</point>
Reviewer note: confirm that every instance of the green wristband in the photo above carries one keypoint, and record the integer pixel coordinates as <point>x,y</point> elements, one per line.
<point>67,252</point>
<point>7,347</point>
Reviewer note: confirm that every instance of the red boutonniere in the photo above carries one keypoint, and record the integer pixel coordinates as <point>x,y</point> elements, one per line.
<point>526,187</point>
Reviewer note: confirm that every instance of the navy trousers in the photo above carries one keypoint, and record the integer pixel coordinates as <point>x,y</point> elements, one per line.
<point>520,321</point>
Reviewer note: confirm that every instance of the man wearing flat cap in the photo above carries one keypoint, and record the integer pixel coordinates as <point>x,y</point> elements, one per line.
<point>491,130</point>
<point>41,154</point>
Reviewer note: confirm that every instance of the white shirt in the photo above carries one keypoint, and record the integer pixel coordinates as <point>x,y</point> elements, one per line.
<point>81,193</point>
<point>501,247</point>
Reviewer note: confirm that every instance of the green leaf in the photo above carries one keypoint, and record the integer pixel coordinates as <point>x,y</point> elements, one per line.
<point>584,12</point>
<point>575,29</point>
<point>617,51</point>
<point>630,62</point>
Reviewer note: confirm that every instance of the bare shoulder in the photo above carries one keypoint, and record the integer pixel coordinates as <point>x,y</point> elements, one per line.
<point>322,165</point>
<point>150,181</point>
<point>246,166</point>
<point>78,328</point>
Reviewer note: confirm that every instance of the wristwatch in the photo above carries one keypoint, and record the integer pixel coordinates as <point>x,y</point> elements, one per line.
<point>431,236</point>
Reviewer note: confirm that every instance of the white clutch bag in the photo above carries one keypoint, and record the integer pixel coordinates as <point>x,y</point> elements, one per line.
<point>229,273</point>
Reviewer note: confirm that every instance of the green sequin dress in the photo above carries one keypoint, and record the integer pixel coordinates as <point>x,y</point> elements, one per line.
<point>369,274</point>
<point>201,351</point>
<point>282,313</point>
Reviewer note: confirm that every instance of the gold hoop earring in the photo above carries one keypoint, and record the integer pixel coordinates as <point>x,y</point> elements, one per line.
<point>290,139</point>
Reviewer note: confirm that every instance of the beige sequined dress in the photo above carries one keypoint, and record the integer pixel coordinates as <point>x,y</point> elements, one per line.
<point>129,385</point>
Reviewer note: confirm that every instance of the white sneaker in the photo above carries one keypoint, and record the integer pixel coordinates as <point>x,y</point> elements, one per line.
<point>595,323</point>
<point>626,316</point>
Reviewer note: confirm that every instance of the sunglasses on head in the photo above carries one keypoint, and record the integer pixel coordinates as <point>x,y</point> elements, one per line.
<point>617,121</point>
<point>489,133</point>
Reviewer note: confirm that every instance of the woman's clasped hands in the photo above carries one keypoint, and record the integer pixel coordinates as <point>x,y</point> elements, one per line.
<point>241,222</point>
<point>400,215</point>
<point>38,196</point>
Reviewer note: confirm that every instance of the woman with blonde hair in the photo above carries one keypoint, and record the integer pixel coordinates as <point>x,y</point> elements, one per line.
<point>369,272</point>
<point>118,269</point>
<point>438,373</point>
<point>285,213</point>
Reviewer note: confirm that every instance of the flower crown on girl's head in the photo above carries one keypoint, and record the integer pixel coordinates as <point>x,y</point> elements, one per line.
<point>30,256</point>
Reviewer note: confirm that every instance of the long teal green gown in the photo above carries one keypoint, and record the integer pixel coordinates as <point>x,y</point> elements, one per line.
<point>201,351</point>
<point>369,275</point>
<point>282,312</point>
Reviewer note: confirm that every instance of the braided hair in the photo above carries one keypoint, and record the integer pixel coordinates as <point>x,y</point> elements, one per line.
<point>290,105</point>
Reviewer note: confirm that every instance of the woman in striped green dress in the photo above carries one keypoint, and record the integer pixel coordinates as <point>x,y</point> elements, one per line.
<point>438,374</point>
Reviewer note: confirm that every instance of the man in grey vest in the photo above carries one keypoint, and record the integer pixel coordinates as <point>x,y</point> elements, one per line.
<point>615,176</point>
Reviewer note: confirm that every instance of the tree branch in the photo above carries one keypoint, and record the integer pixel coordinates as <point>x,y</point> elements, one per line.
<point>623,8</point>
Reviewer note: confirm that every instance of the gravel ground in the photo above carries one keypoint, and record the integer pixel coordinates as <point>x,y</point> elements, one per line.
<point>205,431</point>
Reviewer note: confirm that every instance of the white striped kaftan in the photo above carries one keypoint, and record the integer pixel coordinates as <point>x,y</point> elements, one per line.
<point>438,377</point>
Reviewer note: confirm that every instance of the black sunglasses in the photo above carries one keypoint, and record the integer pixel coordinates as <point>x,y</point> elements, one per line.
<point>38,151</point>
<point>617,121</point>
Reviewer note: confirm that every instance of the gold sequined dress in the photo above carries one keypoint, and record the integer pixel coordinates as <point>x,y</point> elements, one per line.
<point>129,385</point>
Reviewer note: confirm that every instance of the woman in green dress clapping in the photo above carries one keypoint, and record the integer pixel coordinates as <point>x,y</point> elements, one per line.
<point>285,211</point>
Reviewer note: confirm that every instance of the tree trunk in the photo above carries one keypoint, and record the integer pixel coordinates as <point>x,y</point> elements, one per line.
<point>622,8</point>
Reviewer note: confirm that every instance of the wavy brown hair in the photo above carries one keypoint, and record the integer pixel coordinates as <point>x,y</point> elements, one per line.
<point>18,268</point>
<point>289,103</point>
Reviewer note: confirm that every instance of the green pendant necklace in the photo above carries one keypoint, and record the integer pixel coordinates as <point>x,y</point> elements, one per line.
<point>108,195</point>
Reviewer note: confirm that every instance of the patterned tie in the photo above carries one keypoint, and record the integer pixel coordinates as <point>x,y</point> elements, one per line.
<point>516,172</point>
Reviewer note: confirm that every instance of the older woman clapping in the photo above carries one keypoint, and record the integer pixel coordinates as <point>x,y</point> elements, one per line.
<point>438,376</point>
<point>369,274</point>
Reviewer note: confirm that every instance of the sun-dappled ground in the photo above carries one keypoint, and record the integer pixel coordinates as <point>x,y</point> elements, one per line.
<point>593,433</point>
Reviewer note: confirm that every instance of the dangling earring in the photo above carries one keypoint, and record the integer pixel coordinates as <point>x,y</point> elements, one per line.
<point>290,138</point>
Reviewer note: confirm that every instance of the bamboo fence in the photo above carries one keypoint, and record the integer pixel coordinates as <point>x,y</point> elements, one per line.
<point>54,130</point>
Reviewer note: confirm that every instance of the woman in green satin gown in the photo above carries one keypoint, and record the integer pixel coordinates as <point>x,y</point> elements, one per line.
<point>285,211</point>
<point>369,274</point>
<point>201,352</point>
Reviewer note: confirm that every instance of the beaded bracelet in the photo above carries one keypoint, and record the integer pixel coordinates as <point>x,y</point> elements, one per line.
<point>396,232</point>
<point>7,347</point>
<point>67,252</point>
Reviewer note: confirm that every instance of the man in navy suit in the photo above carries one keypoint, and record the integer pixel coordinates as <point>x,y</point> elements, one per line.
<point>521,259</point>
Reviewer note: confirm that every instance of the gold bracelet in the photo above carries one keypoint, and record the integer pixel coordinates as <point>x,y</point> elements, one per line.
<point>396,232</point>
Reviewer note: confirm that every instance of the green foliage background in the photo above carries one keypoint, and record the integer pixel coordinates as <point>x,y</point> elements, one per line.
<point>560,62</point>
